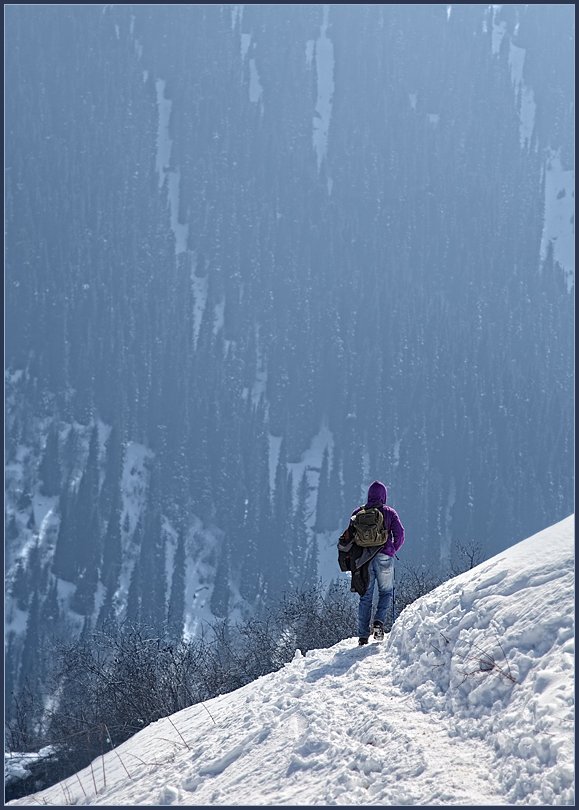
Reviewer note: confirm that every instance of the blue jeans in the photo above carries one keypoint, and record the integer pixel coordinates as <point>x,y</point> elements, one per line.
<point>381,571</point>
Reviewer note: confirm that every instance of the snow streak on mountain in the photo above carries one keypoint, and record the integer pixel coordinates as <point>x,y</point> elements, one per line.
<point>469,701</point>
<point>257,256</point>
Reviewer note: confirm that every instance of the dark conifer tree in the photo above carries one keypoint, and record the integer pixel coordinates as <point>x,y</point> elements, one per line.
<point>113,472</point>
<point>337,507</point>
<point>311,565</point>
<point>70,453</point>
<point>282,495</point>
<point>256,530</point>
<point>19,588</point>
<point>176,609</point>
<point>112,547</point>
<point>275,528</point>
<point>10,675</point>
<point>63,564</point>
<point>88,489</point>
<point>220,597</point>
<point>34,568</point>
<point>24,501</point>
<point>49,470</point>
<point>86,631</point>
<point>88,552</point>
<point>352,467</point>
<point>107,618</point>
<point>200,460</point>
<point>31,661</point>
<point>323,522</point>
<point>51,612</point>
<point>299,540</point>
<point>133,609</point>
<point>12,532</point>
<point>87,540</point>
<point>249,577</point>
<point>153,584</point>
<point>83,599</point>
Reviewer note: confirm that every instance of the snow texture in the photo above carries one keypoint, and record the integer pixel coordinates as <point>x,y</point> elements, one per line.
<point>469,701</point>
<point>245,43</point>
<point>559,227</point>
<point>498,33</point>
<point>527,115</point>
<point>324,55</point>
<point>527,106</point>
<point>310,463</point>
<point>274,448</point>
<point>134,484</point>
<point>255,88</point>
<point>236,14</point>
<point>516,63</point>
<point>166,170</point>
<point>17,766</point>
<point>200,287</point>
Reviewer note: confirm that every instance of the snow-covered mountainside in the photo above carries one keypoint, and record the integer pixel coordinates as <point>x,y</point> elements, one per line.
<point>468,701</point>
<point>257,256</point>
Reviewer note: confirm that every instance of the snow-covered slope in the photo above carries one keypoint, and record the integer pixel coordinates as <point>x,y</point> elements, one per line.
<point>469,701</point>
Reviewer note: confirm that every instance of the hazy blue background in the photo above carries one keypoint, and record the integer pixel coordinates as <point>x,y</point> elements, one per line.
<point>256,257</point>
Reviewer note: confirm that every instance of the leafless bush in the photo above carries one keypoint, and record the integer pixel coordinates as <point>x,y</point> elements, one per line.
<point>317,618</point>
<point>24,728</point>
<point>118,680</point>
<point>467,555</point>
<point>412,582</point>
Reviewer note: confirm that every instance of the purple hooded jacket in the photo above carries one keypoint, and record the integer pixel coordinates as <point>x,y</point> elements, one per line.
<point>377,495</point>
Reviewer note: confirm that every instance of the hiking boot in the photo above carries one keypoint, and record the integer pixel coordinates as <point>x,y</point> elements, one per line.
<point>362,641</point>
<point>378,631</point>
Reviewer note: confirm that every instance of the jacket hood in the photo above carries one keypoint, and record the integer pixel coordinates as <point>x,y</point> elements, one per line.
<point>377,493</point>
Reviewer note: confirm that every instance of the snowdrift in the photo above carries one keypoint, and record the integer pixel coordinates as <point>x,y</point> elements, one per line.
<point>469,701</point>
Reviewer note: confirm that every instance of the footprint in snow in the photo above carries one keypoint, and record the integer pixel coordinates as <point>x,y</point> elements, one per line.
<point>342,662</point>
<point>217,766</point>
<point>297,725</point>
<point>168,795</point>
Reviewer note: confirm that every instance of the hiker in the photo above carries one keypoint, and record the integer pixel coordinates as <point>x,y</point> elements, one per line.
<point>369,554</point>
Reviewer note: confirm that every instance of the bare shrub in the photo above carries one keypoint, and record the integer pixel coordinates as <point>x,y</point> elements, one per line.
<point>411,583</point>
<point>482,659</point>
<point>467,555</point>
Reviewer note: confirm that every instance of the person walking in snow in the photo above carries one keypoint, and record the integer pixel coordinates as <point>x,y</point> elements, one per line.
<point>367,550</point>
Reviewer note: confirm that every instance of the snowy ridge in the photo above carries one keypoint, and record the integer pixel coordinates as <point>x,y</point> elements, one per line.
<point>469,701</point>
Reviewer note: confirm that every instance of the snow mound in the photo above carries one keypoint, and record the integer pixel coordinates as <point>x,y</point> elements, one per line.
<point>494,650</point>
<point>469,701</point>
<point>18,766</point>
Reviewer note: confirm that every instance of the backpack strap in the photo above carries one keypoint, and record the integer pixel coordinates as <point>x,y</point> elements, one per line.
<point>385,512</point>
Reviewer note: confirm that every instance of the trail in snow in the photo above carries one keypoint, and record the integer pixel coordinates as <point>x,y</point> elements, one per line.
<point>469,701</point>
